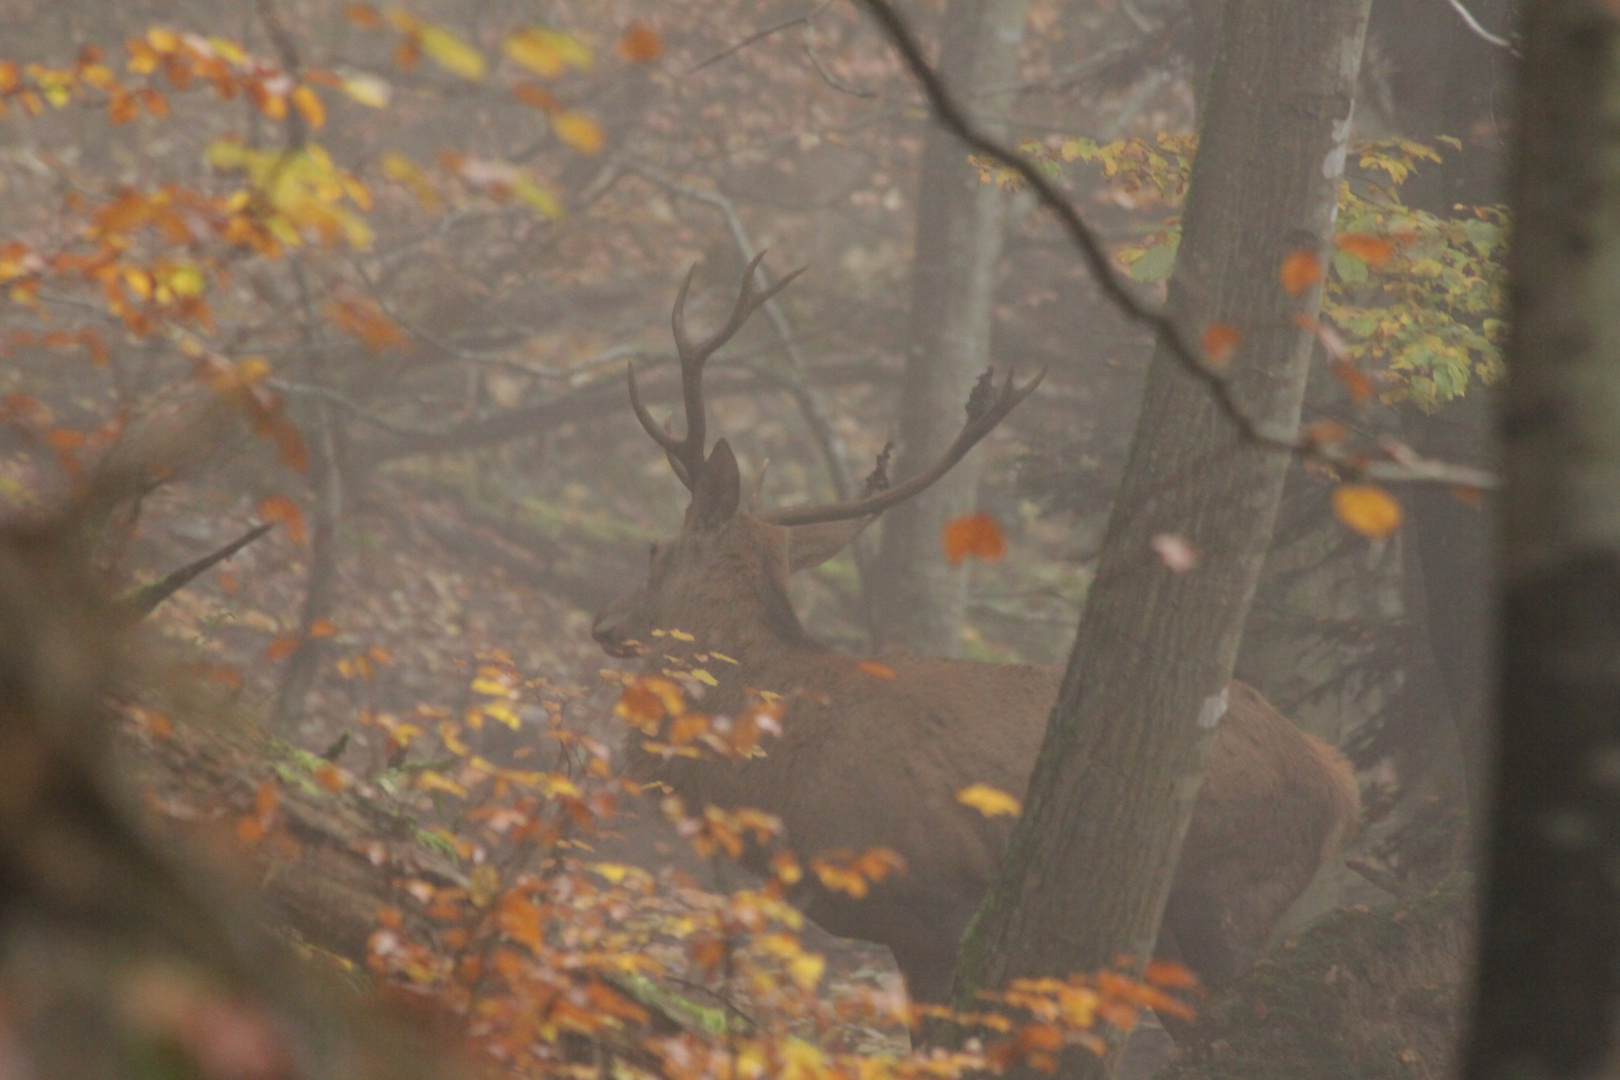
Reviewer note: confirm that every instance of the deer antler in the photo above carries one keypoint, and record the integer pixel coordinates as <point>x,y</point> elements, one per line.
<point>986,408</point>
<point>686,454</point>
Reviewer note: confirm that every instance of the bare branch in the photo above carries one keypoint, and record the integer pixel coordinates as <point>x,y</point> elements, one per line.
<point>949,114</point>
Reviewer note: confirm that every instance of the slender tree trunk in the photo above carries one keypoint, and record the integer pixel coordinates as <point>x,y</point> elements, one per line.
<point>918,599</point>
<point>304,663</point>
<point>1089,867</point>
<point>1548,1000</point>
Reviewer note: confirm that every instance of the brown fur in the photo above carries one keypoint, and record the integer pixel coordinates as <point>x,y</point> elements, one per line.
<point>865,761</point>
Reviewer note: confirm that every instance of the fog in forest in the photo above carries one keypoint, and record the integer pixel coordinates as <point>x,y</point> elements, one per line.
<point>687,435</point>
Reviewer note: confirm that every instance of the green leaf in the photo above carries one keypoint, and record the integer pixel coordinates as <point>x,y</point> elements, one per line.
<point>1351,270</point>
<point>1155,264</point>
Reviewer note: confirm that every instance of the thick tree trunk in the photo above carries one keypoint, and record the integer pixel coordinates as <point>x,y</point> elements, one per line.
<point>1548,1000</point>
<point>1088,870</point>
<point>917,598</point>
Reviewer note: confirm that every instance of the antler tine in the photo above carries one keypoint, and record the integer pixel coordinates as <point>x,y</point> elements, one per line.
<point>686,453</point>
<point>673,447</point>
<point>982,419</point>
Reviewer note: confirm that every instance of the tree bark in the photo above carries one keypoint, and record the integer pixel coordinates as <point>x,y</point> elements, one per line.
<point>1548,999</point>
<point>918,598</point>
<point>1117,776</point>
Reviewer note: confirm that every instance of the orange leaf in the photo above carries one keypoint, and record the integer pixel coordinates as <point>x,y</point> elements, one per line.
<point>1325,433</point>
<point>282,509</point>
<point>1300,271</point>
<point>1219,341</point>
<point>1375,251</point>
<point>1367,508</point>
<point>365,320</point>
<point>332,778</point>
<point>1174,976</point>
<point>266,799</point>
<point>363,15</point>
<point>977,536</point>
<point>532,93</point>
<point>1359,386</point>
<point>1468,496</point>
<point>249,830</point>
<point>876,670</point>
<point>282,647</point>
<point>322,628</point>
<point>640,43</point>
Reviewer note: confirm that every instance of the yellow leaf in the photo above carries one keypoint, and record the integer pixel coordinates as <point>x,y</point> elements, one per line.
<point>503,711</point>
<point>432,781</point>
<point>186,281</point>
<point>681,635</point>
<point>547,52</point>
<point>451,53</point>
<point>704,677</point>
<point>543,201</point>
<point>1367,508</point>
<point>308,103</point>
<point>163,40</point>
<point>989,801</point>
<point>806,969</point>
<point>578,131</point>
<point>368,90</point>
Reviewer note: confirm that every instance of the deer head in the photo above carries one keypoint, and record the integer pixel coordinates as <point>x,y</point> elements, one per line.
<point>726,570</point>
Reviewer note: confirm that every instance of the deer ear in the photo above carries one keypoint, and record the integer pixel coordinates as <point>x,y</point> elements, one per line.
<point>718,489</point>
<point>812,545</point>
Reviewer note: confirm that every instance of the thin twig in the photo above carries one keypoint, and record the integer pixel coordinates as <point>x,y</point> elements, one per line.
<point>948,113</point>
<point>761,36</point>
<point>830,79</point>
<point>808,401</point>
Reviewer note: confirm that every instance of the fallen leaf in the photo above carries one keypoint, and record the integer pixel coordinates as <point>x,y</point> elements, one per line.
<point>640,43</point>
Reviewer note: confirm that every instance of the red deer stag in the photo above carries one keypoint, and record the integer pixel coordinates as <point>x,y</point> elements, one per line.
<point>868,762</point>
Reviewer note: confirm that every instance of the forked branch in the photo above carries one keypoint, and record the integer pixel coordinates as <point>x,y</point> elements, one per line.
<point>986,408</point>
<point>686,454</point>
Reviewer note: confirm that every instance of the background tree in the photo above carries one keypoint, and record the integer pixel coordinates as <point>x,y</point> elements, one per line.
<point>1547,983</point>
<point>1114,785</point>
<point>917,598</point>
